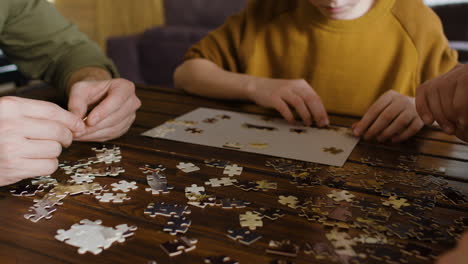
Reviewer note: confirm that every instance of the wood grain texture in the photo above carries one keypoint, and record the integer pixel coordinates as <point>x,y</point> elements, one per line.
<point>22,241</point>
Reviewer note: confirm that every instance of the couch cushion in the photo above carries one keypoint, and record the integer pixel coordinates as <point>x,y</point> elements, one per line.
<point>455,20</point>
<point>202,13</point>
<point>162,49</point>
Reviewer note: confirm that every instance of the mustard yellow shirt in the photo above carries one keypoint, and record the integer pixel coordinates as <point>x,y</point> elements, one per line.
<point>397,45</point>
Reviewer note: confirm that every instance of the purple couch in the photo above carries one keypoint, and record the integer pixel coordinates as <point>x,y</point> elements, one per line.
<point>151,58</point>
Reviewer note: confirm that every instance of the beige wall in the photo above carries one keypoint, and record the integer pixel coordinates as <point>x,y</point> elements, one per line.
<point>100,19</point>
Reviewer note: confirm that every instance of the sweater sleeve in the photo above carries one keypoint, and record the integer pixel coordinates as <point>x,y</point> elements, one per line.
<point>44,45</point>
<point>222,46</point>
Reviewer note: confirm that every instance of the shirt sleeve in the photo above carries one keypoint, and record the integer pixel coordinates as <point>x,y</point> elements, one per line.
<point>222,46</point>
<point>44,45</point>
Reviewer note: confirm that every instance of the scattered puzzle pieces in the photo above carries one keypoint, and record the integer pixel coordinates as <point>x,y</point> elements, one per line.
<point>179,246</point>
<point>111,197</point>
<point>244,235</point>
<point>232,170</point>
<point>250,220</point>
<point>187,167</point>
<point>124,186</point>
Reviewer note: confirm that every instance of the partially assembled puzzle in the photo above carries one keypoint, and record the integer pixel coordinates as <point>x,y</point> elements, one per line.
<point>258,134</point>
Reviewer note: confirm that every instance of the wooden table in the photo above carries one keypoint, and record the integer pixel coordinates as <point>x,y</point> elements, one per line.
<point>22,241</point>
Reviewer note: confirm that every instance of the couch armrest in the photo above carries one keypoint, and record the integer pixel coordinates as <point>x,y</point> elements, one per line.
<point>124,52</point>
<point>162,49</point>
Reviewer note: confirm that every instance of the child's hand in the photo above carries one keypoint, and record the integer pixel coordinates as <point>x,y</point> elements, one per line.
<point>283,94</point>
<point>393,116</point>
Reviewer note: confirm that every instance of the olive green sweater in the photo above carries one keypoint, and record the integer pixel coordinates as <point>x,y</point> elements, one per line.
<point>43,44</point>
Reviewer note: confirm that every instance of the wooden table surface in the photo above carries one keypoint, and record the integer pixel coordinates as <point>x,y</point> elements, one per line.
<point>440,163</point>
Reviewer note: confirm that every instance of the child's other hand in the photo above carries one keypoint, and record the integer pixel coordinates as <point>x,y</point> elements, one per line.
<point>393,116</point>
<point>283,94</point>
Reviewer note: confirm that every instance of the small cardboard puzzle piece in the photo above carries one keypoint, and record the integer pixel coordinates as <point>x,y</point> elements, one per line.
<point>81,178</point>
<point>26,189</point>
<point>290,201</point>
<point>341,214</point>
<point>220,260</point>
<point>270,213</point>
<point>246,185</point>
<point>312,213</point>
<point>200,200</point>
<point>396,202</point>
<point>232,170</point>
<point>91,236</point>
<point>283,248</point>
<point>39,213</point>
<point>111,197</point>
<point>250,220</point>
<point>187,167</point>
<point>161,208</point>
<point>86,188</point>
<point>229,203</point>
<point>152,168</point>
<point>195,189</point>
<point>177,225</point>
<point>265,185</point>
<point>124,186</point>
<point>179,246</point>
<point>244,235</point>
<point>339,196</point>
<point>158,184</point>
<point>225,181</point>
<point>215,163</point>
<point>45,181</point>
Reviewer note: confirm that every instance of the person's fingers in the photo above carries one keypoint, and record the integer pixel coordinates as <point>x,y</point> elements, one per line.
<point>397,126</point>
<point>109,132</point>
<point>40,149</point>
<point>34,168</point>
<point>118,92</point>
<point>435,105</point>
<point>385,118</point>
<point>316,107</point>
<point>412,129</point>
<point>42,110</point>
<point>372,114</point>
<point>127,109</point>
<point>283,108</point>
<point>31,128</point>
<point>298,103</point>
<point>422,105</point>
<point>460,104</point>
<point>78,100</point>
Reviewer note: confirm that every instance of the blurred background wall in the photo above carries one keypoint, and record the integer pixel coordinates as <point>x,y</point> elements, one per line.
<point>100,19</point>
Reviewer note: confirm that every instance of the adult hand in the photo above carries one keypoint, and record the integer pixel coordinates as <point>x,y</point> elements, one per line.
<point>115,111</point>
<point>457,256</point>
<point>32,134</point>
<point>393,116</point>
<point>284,94</point>
<point>445,100</point>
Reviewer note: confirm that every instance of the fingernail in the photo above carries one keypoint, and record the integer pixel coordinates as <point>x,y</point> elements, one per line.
<point>427,120</point>
<point>326,122</point>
